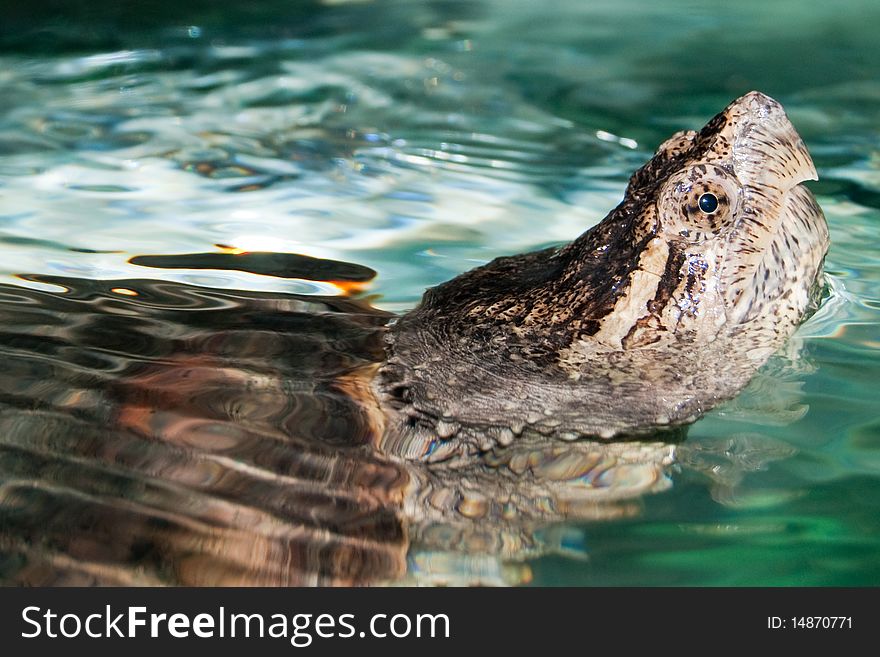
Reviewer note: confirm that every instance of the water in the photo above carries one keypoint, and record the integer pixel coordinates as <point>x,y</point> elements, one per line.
<point>172,419</point>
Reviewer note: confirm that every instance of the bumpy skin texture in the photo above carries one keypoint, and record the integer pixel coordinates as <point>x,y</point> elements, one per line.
<point>641,324</point>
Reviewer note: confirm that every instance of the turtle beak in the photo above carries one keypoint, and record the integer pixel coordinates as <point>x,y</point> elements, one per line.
<point>767,150</point>
<point>765,270</point>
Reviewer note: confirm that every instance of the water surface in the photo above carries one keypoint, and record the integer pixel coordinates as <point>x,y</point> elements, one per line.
<point>169,417</point>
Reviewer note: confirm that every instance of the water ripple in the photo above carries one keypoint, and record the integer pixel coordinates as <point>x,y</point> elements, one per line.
<point>418,140</point>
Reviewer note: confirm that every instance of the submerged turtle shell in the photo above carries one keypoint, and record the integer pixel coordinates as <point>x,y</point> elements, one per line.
<point>199,437</point>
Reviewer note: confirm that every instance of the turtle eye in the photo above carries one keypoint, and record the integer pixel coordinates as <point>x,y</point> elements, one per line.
<point>700,202</point>
<point>708,203</point>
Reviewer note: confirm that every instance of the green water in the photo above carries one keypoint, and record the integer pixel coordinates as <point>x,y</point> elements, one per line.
<point>424,138</point>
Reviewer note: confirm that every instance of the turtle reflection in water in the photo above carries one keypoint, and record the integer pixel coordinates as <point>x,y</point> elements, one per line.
<point>185,435</point>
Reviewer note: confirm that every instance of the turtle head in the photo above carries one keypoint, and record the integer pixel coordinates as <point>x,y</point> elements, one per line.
<point>738,242</point>
<point>651,317</point>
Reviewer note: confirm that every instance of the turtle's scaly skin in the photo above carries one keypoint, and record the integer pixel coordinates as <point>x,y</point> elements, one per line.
<point>643,323</point>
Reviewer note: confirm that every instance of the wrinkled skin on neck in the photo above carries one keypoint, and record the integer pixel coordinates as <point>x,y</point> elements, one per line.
<point>643,323</point>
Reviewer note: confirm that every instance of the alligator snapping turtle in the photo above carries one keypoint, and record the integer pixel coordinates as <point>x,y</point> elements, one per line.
<point>182,435</point>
